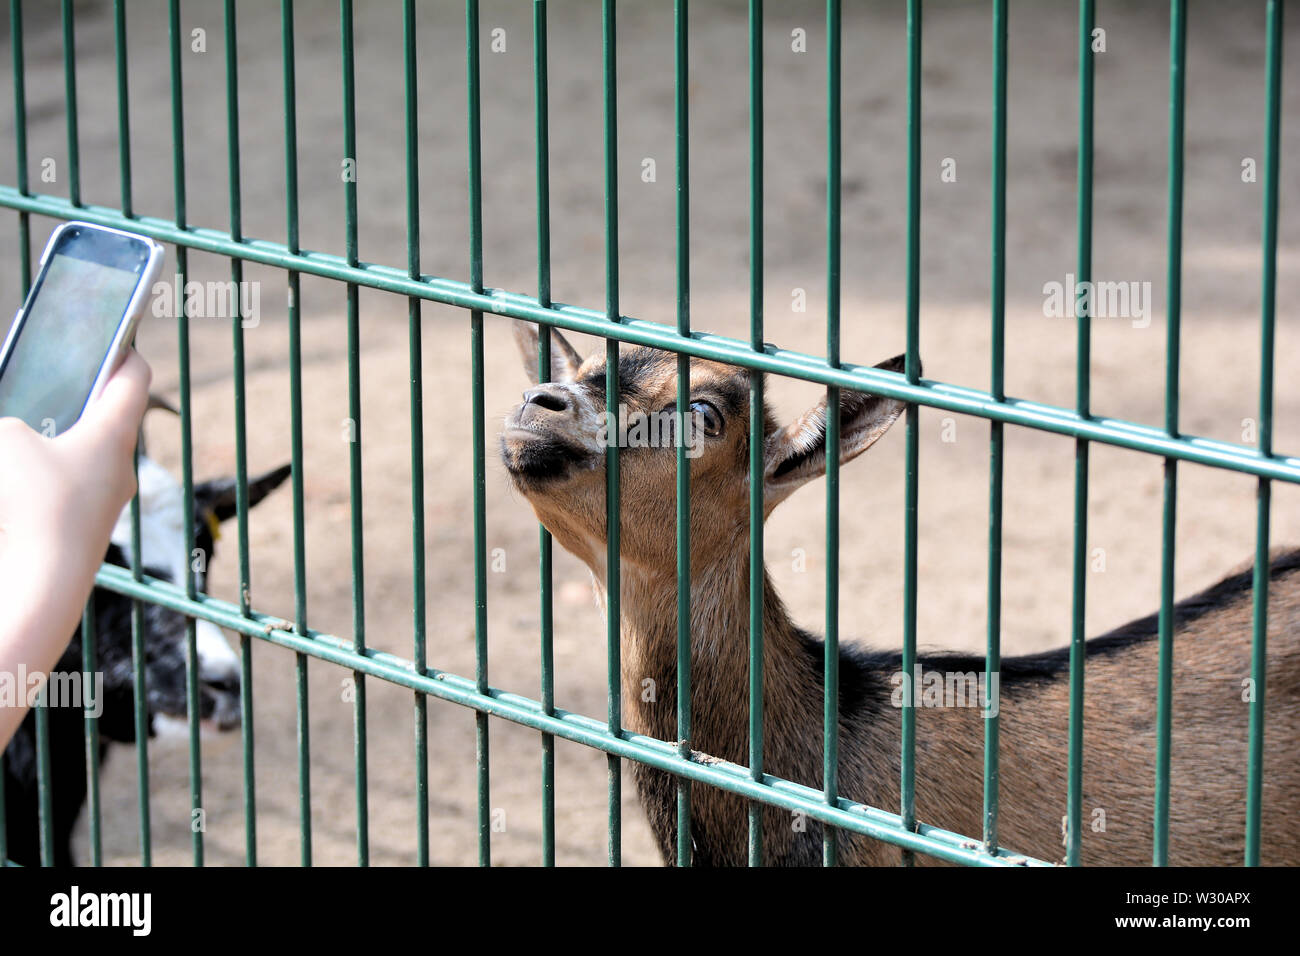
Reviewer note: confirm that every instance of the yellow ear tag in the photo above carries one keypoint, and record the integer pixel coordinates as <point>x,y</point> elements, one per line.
<point>214,526</point>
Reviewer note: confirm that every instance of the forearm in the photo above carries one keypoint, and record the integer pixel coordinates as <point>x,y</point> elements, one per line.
<point>43,597</point>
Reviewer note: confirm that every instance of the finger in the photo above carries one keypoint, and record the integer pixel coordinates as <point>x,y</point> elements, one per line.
<point>119,409</point>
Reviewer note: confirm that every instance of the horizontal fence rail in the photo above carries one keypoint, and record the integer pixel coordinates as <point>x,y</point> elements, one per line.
<point>718,348</point>
<point>690,767</point>
<point>662,755</point>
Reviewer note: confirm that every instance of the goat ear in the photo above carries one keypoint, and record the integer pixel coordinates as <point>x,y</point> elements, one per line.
<point>155,401</point>
<point>565,360</point>
<point>217,497</point>
<point>796,454</point>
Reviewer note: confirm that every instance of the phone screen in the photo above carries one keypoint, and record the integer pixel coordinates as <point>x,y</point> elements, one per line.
<point>68,326</point>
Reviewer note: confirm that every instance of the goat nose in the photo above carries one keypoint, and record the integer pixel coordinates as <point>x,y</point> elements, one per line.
<point>549,398</point>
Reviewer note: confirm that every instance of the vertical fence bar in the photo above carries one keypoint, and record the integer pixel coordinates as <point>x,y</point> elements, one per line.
<point>241,437</point>
<point>1078,639</point>
<point>476,411</point>
<point>993,649</point>
<point>24,251</point>
<point>138,653</point>
<point>755,425</point>
<point>123,104</point>
<point>681,124</point>
<point>354,414</point>
<point>44,782</point>
<point>831,654</point>
<point>609,44</point>
<point>89,666</point>
<point>912,363</point>
<point>183,361</point>
<point>139,656</point>
<point>24,219</point>
<point>187,442</point>
<point>1268,302</point>
<point>295,418</point>
<point>70,100</point>
<point>416,349</point>
<point>542,110</point>
<point>1169,514</point>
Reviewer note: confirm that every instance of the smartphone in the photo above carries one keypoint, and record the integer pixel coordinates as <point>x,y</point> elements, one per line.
<point>77,323</point>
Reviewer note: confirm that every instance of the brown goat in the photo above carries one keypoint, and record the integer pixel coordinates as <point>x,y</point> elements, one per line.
<point>553,448</point>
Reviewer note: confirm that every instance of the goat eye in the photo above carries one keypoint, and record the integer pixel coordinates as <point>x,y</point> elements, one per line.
<point>710,416</point>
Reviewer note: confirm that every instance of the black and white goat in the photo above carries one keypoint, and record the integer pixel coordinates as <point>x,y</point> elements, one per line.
<point>163,555</point>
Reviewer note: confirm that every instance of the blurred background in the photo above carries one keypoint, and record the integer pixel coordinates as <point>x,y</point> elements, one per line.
<point>1220,341</point>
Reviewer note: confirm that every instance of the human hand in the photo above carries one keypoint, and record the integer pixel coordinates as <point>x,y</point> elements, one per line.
<point>60,496</point>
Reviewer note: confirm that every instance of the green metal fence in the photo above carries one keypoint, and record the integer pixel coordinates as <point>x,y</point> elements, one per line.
<point>897,826</point>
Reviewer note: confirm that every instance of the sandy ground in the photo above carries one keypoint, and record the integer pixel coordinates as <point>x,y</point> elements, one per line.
<point>1220,346</point>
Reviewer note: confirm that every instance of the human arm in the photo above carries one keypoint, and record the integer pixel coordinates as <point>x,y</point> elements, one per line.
<point>59,500</point>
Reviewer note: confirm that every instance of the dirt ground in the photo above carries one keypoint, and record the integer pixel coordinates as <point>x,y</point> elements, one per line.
<point>1220,343</point>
